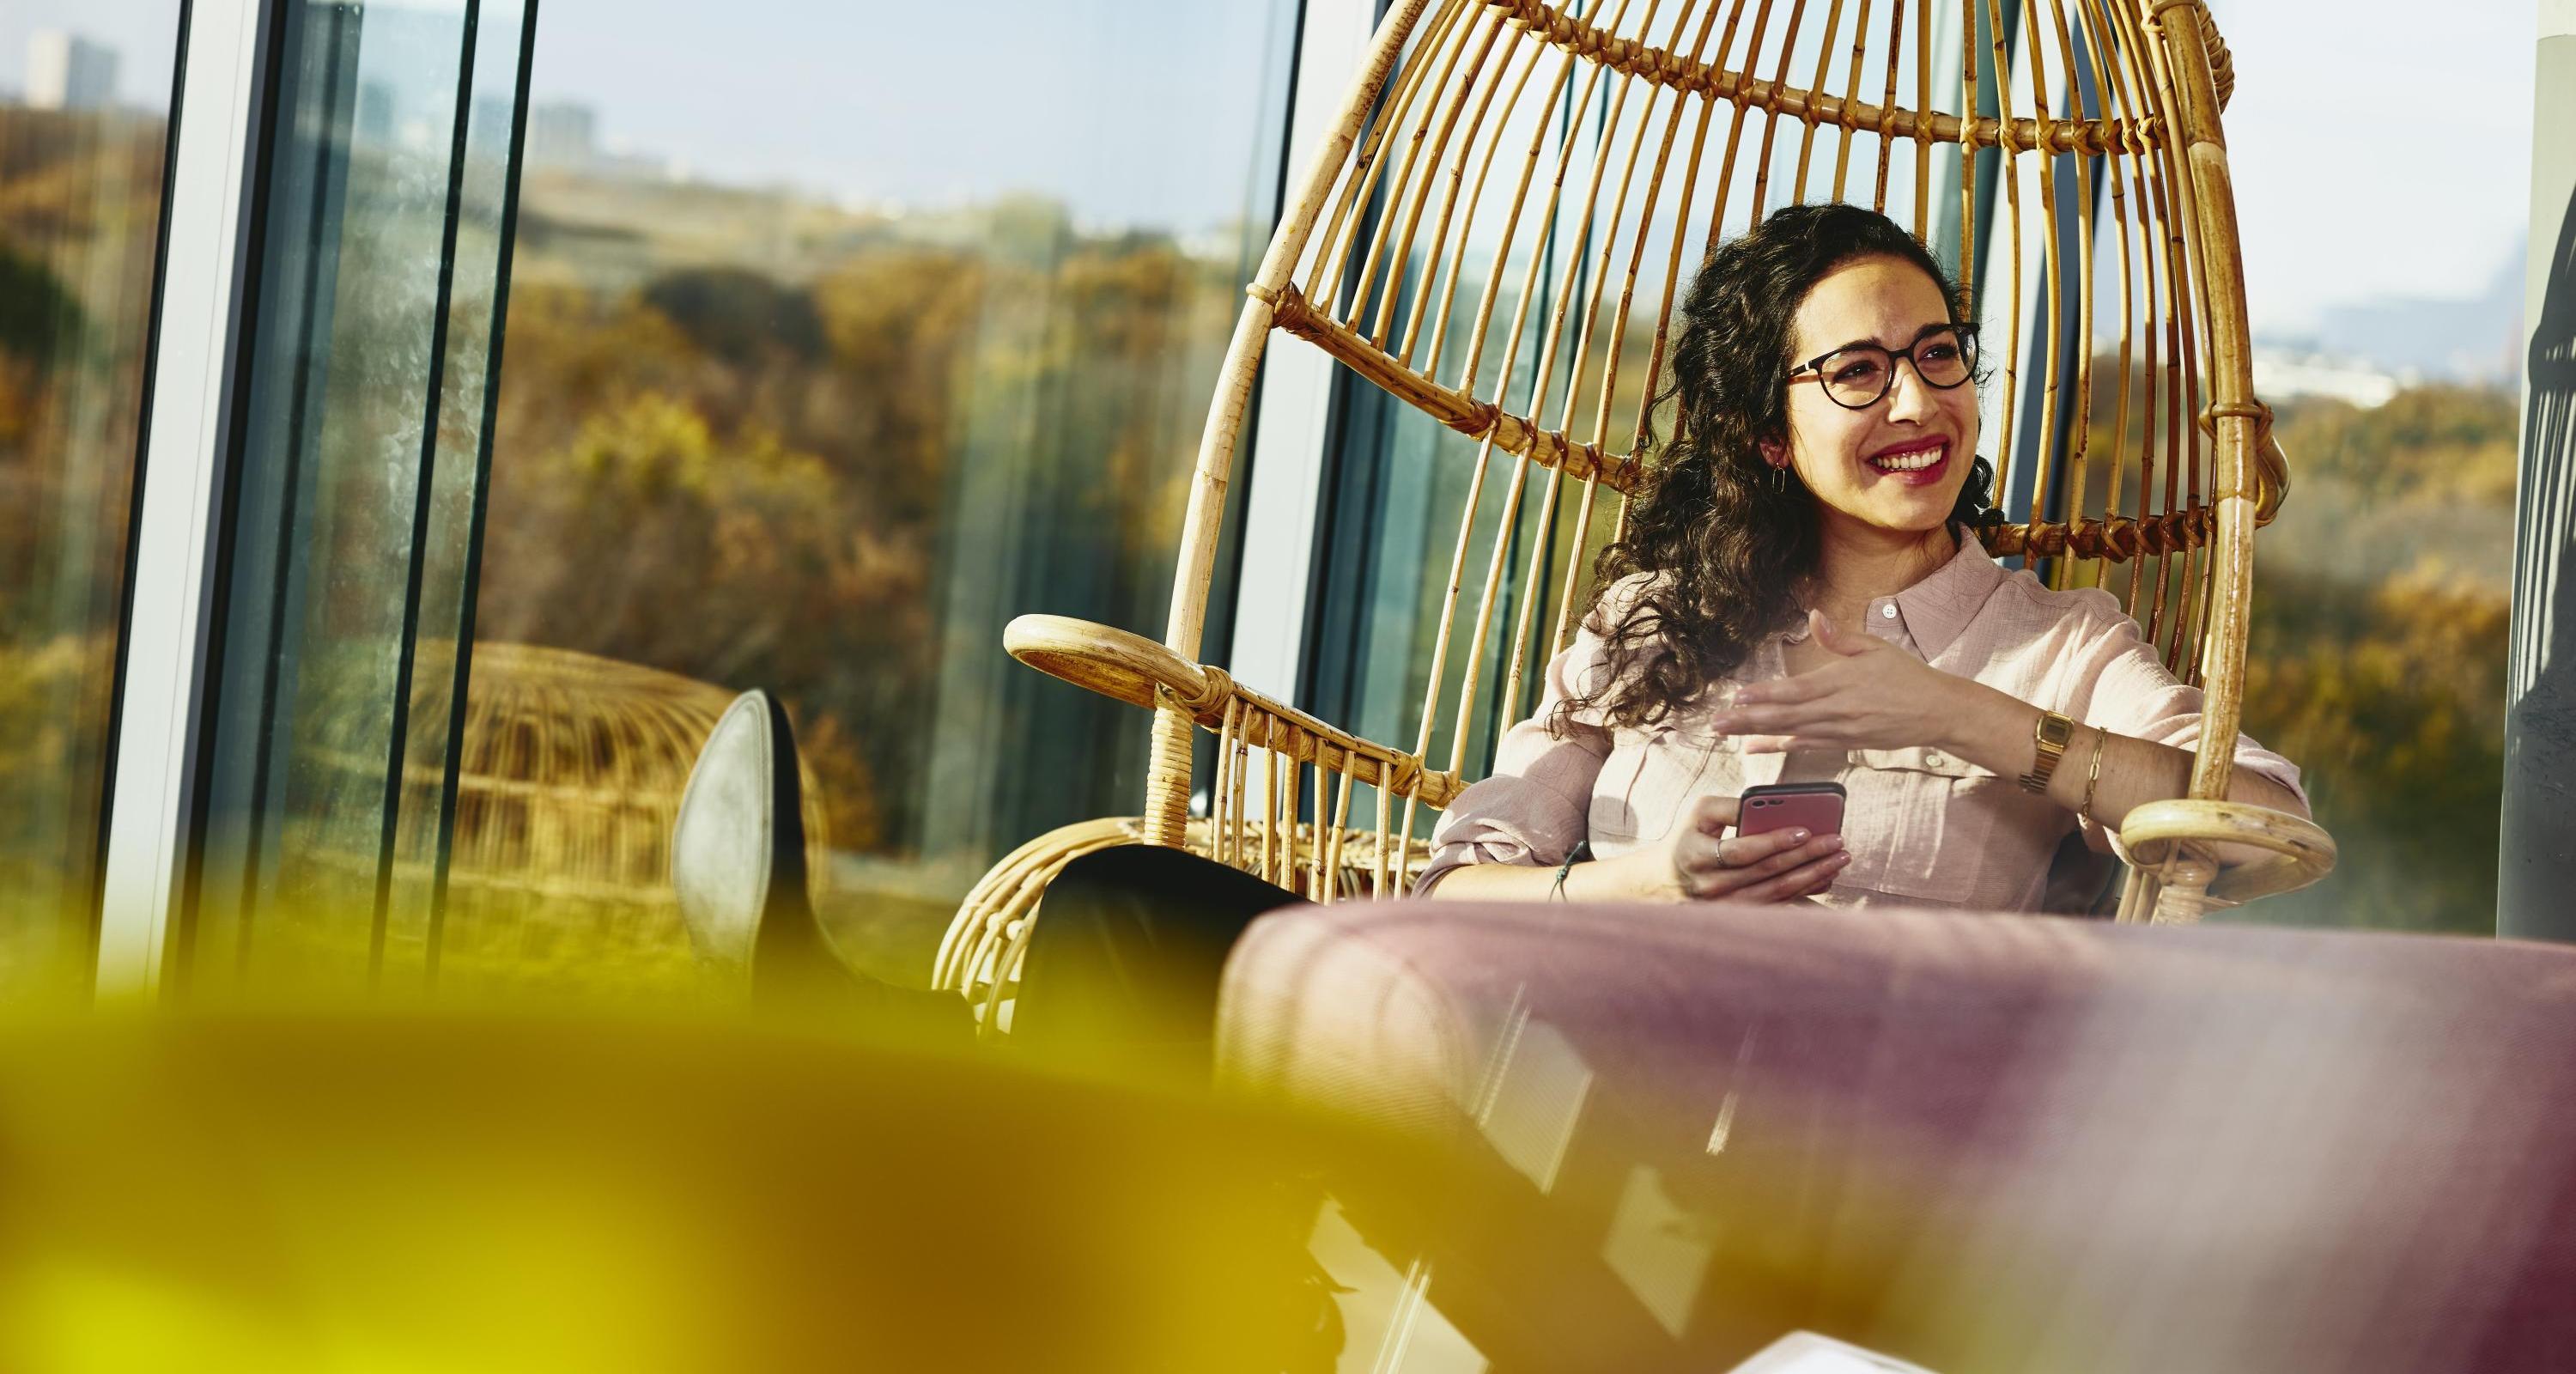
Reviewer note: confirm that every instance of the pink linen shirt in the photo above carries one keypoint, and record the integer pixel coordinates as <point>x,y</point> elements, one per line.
<point>1923,827</point>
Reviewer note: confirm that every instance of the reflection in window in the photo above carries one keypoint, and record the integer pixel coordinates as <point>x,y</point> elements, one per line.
<point>84,126</point>
<point>820,367</point>
<point>327,761</point>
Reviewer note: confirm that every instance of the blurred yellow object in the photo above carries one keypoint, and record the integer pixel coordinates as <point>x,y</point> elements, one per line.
<point>353,1192</point>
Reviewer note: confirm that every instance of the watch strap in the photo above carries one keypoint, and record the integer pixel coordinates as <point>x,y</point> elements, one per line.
<point>2050,738</point>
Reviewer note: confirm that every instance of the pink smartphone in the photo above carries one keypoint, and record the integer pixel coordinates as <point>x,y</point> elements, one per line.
<point>1817,806</point>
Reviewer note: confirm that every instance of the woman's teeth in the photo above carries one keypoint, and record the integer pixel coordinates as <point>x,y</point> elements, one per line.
<point>1912,461</point>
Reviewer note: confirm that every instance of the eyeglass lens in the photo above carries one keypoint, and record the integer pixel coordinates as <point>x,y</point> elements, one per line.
<point>1859,376</point>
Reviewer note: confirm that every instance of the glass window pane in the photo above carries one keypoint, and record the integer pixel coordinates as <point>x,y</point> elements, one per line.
<point>84,127</point>
<point>373,327</point>
<point>818,403</point>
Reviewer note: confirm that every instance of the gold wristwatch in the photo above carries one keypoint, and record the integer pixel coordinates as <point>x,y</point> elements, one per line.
<point>2053,734</point>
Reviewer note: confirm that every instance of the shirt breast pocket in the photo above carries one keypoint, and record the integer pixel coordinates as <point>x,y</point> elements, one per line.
<point>1926,823</point>
<point>1651,778</point>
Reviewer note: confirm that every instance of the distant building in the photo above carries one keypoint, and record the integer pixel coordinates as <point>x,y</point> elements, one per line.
<point>2281,373</point>
<point>640,166</point>
<point>68,72</point>
<point>562,133</point>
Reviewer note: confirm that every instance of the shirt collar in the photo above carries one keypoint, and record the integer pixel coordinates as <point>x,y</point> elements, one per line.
<point>1940,606</point>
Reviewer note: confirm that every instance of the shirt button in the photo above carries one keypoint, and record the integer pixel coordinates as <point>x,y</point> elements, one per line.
<point>1888,610</point>
<point>1932,757</point>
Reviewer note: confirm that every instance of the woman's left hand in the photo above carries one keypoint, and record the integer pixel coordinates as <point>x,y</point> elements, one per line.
<point>1874,695</point>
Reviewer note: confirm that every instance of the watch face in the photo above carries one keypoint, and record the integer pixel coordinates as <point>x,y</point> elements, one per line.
<point>2056,729</point>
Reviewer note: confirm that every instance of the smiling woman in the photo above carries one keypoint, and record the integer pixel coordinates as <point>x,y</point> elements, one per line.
<point>1799,598</point>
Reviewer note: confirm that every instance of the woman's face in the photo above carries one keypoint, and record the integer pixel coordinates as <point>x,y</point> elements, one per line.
<point>1896,465</point>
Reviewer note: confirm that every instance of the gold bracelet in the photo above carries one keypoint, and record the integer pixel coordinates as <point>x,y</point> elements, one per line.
<point>2093,774</point>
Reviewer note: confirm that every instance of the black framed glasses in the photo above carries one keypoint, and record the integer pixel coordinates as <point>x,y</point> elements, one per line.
<point>1855,377</point>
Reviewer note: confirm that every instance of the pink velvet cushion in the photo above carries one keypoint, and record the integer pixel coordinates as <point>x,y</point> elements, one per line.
<point>1974,1142</point>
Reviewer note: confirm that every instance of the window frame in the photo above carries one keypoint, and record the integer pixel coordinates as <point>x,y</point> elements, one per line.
<point>223,98</point>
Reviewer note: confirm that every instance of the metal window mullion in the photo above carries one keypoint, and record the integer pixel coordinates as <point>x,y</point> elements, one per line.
<point>273,637</point>
<point>433,409</point>
<point>461,682</point>
<point>163,654</point>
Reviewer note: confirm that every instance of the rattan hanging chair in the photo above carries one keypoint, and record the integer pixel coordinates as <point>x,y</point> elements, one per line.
<point>566,792</point>
<point>1495,233</point>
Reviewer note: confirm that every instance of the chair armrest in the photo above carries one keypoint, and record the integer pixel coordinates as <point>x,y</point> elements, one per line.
<point>2299,850</point>
<point>1110,661</point>
<point>1133,669</point>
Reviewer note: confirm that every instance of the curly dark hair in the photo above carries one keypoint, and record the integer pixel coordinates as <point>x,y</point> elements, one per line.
<point>1727,555</point>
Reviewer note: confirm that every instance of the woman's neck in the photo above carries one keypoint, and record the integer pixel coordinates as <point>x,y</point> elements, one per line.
<point>1859,564</point>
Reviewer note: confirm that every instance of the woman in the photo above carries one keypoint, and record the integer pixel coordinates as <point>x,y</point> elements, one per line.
<point>1801,597</point>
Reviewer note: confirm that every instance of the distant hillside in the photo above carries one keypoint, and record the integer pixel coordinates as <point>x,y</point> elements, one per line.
<point>2375,492</point>
<point>2377,655</point>
<point>2477,341</point>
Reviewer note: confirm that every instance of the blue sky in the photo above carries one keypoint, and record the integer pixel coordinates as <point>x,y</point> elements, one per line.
<point>2379,148</point>
<point>935,104</point>
<point>2350,186</point>
<point>143,32</point>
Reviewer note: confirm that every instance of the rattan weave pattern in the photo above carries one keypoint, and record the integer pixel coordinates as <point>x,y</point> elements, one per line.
<point>566,793</point>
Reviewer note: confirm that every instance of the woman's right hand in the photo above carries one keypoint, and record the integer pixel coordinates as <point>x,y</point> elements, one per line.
<point>1701,861</point>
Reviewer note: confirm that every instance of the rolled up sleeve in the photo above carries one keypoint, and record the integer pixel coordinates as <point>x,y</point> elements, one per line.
<point>1532,809</point>
<point>2125,688</point>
